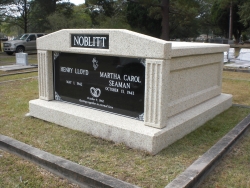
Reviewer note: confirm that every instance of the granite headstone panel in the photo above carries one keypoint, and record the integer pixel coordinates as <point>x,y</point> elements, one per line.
<point>108,83</point>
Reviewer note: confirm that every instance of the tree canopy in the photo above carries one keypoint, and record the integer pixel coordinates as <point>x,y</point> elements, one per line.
<point>220,12</point>
<point>244,13</point>
<point>166,19</point>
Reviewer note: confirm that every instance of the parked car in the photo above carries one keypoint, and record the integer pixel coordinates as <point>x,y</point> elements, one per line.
<point>23,43</point>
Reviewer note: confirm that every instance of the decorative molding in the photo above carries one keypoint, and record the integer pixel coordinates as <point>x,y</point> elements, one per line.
<point>45,75</point>
<point>143,61</point>
<point>57,97</point>
<point>56,55</point>
<point>153,84</point>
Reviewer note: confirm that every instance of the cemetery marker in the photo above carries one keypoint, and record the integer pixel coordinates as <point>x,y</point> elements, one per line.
<point>128,87</point>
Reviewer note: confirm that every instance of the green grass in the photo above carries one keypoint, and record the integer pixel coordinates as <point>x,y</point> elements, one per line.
<point>237,84</point>
<point>17,76</point>
<point>233,170</point>
<point>11,59</point>
<point>17,173</point>
<point>117,160</point>
<point>7,60</point>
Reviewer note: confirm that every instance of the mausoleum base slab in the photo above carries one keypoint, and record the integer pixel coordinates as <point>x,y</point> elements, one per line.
<point>126,130</point>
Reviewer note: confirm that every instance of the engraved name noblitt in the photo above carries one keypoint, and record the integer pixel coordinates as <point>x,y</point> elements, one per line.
<point>89,41</point>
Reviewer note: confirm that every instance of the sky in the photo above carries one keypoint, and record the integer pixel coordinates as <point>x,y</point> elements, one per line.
<point>77,2</point>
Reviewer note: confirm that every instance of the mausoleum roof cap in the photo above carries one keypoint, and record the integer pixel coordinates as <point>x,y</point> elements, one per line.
<point>124,43</point>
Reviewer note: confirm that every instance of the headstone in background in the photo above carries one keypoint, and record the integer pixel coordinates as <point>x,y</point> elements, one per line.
<point>230,54</point>
<point>242,61</point>
<point>22,59</point>
<point>244,55</point>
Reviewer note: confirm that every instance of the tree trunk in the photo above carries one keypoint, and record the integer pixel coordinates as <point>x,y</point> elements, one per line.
<point>231,21</point>
<point>54,5</point>
<point>165,20</point>
<point>25,17</point>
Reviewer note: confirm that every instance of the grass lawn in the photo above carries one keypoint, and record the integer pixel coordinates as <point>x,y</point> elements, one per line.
<point>117,160</point>
<point>233,171</point>
<point>17,76</point>
<point>237,84</point>
<point>11,59</point>
<point>16,172</point>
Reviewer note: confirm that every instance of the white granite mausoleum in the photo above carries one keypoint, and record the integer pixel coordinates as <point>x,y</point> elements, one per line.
<point>182,88</point>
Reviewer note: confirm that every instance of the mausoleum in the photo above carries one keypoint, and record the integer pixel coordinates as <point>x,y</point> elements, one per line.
<point>127,87</point>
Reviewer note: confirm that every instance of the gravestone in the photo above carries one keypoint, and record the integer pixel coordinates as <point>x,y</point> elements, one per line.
<point>244,55</point>
<point>22,59</point>
<point>128,87</point>
<point>230,54</point>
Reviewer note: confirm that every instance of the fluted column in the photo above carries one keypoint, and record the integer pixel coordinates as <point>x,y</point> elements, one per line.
<point>45,75</point>
<point>155,108</point>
